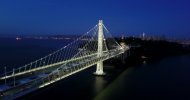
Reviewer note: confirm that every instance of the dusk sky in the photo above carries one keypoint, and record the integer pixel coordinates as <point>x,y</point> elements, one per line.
<point>154,17</point>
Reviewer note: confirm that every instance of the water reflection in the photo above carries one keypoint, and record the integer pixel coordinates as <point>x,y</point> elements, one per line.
<point>144,62</point>
<point>99,83</point>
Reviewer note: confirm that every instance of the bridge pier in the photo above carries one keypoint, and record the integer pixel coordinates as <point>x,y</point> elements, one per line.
<point>99,67</point>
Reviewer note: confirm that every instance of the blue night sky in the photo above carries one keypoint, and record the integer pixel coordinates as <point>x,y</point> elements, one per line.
<point>154,17</point>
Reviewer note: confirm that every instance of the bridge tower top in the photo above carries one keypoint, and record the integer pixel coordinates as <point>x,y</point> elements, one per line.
<point>100,21</point>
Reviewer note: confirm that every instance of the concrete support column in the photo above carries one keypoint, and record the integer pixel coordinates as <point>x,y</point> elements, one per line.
<point>99,68</point>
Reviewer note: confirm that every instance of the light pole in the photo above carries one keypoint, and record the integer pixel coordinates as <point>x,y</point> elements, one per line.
<point>5,75</point>
<point>14,75</point>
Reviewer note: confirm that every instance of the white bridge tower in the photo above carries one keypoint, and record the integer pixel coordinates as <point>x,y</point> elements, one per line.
<point>99,67</point>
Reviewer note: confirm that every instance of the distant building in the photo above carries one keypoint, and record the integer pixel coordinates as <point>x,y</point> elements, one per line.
<point>122,37</point>
<point>142,36</point>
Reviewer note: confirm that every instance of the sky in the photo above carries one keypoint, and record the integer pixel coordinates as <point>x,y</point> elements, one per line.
<point>170,18</point>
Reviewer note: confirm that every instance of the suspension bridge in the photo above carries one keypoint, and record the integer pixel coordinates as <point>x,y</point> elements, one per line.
<point>92,48</point>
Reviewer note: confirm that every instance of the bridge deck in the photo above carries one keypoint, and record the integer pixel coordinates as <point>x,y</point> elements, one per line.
<point>40,79</point>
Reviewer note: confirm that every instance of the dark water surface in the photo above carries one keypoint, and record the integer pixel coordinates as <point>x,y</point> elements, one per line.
<point>167,79</point>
